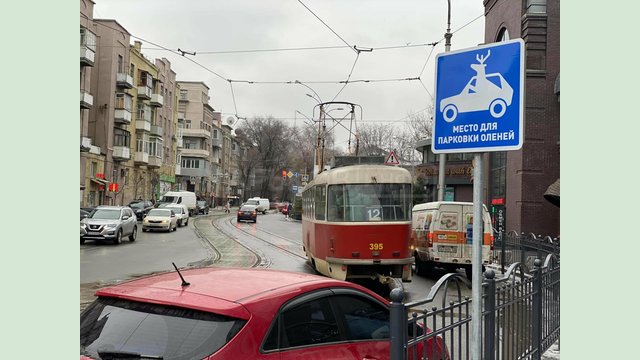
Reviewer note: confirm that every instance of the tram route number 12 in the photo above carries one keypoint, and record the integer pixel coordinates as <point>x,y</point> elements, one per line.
<point>374,214</point>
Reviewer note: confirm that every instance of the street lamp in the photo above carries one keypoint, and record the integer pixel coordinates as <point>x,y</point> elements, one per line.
<point>443,157</point>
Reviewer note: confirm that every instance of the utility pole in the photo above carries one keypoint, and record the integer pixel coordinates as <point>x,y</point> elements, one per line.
<point>443,157</point>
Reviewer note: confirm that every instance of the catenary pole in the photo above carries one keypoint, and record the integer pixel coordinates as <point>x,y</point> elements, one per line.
<point>443,157</point>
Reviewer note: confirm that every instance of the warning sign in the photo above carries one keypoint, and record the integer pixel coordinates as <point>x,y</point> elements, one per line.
<point>392,159</point>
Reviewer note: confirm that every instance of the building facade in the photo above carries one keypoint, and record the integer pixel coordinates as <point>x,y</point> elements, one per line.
<point>197,125</point>
<point>111,115</point>
<point>88,45</point>
<point>519,179</point>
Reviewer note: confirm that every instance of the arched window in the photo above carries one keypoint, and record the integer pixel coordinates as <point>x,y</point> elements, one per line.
<point>503,35</point>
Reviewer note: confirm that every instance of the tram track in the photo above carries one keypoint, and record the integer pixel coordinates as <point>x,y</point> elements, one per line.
<point>271,243</point>
<point>235,252</point>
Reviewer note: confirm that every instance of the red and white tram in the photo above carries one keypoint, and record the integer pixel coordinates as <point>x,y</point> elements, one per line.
<point>356,222</point>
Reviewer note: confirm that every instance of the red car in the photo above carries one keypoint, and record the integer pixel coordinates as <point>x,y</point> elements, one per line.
<point>226,313</point>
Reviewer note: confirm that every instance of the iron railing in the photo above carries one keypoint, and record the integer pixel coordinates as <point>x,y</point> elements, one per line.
<point>524,248</point>
<point>520,320</point>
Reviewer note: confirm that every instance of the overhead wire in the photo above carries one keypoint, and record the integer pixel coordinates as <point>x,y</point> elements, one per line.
<point>345,82</point>
<point>329,27</point>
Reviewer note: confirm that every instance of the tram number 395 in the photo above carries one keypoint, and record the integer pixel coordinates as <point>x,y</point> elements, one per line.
<point>375,246</point>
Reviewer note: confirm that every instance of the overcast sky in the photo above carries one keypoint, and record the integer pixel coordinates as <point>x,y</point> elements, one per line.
<point>226,27</point>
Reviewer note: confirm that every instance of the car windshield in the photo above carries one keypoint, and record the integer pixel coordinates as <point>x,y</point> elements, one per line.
<point>169,333</point>
<point>252,202</point>
<point>169,199</point>
<point>160,212</point>
<point>106,214</point>
<point>138,205</point>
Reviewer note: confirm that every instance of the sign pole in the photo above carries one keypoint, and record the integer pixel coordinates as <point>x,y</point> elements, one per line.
<point>476,261</point>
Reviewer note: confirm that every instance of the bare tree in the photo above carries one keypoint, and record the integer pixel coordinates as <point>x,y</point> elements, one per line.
<point>268,136</point>
<point>376,139</point>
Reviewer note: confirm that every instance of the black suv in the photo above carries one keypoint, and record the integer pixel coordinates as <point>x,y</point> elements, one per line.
<point>141,208</point>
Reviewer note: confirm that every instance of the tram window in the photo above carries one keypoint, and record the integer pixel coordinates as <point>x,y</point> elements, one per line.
<point>320,201</point>
<point>335,206</point>
<point>373,202</point>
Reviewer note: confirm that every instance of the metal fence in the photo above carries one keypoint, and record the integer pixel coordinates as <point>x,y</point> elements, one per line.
<point>520,320</point>
<point>525,248</point>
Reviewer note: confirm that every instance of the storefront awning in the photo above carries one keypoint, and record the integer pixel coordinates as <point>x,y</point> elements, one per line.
<point>100,181</point>
<point>553,193</point>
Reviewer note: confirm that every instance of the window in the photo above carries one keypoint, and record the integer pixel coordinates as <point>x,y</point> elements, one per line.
<point>142,145</point>
<point>320,194</point>
<point>88,39</point>
<point>215,133</point>
<point>497,174</point>
<point>369,202</point>
<point>121,137</point>
<point>145,79</point>
<point>183,94</point>
<point>536,6</point>
<point>144,112</point>
<point>365,319</point>
<point>123,101</point>
<point>164,331</point>
<point>309,323</point>
<point>120,64</point>
<point>94,168</point>
<point>187,124</point>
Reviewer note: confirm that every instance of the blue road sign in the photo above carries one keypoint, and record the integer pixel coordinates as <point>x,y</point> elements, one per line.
<point>294,188</point>
<point>479,99</point>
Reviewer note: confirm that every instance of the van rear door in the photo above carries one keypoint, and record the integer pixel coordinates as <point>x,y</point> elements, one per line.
<point>447,239</point>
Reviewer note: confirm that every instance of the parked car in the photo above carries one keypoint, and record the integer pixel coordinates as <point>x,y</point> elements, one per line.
<point>236,313</point>
<point>187,198</point>
<point>109,223</point>
<point>160,219</point>
<point>84,213</point>
<point>141,208</point>
<point>248,212</point>
<point>202,207</point>
<point>181,211</point>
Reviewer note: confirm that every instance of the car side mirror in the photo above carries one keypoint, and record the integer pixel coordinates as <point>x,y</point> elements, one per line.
<point>125,217</point>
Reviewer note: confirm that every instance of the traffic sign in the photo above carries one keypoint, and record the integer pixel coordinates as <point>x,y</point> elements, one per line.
<point>305,178</point>
<point>392,159</point>
<point>294,188</point>
<point>479,99</point>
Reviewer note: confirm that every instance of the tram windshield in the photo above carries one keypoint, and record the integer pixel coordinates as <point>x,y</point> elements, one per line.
<point>369,202</point>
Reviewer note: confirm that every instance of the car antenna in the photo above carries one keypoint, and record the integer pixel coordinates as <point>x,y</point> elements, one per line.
<point>184,283</point>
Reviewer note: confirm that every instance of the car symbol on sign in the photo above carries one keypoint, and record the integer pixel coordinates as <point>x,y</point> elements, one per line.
<point>483,92</point>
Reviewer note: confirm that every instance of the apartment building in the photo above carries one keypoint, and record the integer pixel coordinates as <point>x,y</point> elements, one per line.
<point>88,40</point>
<point>196,126</point>
<point>167,117</point>
<point>110,116</point>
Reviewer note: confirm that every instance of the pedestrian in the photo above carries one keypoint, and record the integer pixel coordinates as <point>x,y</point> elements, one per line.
<point>289,208</point>
<point>227,206</point>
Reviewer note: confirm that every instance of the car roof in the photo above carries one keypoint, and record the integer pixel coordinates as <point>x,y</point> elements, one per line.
<point>224,291</point>
<point>111,207</point>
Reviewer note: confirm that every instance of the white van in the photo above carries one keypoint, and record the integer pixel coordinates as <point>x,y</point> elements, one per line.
<point>439,236</point>
<point>187,198</point>
<point>263,204</point>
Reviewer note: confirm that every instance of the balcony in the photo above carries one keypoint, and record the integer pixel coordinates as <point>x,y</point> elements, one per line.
<point>196,133</point>
<point>122,116</point>
<point>157,100</point>
<point>179,142</point>
<point>124,80</point>
<point>157,130</point>
<point>86,100</point>
<point>85,144</point>
<point>180,116</point>
<point>121,153</point>
<point>194,172</point>
<point>141,158</point>
<point>216,142</point>
<point>178,169</point>
<point>87,56</point>
<point>144,92</point>
<point>195,153</point>
<point>143,125</point>
<point>154,161</point>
